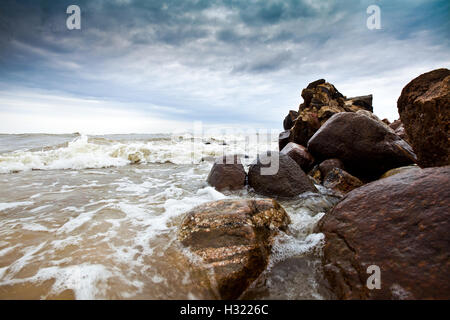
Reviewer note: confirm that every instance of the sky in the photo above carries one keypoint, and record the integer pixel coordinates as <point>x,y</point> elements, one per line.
<point>147,66</point>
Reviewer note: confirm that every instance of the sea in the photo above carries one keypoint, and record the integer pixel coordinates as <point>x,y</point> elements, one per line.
<point>96,217</point>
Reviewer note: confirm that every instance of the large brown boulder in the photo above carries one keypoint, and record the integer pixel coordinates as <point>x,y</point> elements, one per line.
<point>299,154</point>
<point>400,224</point>
<point>277,175</point>
<point>234,239</point>
<point>424,108</point>
<point>366,146</point>
<point>321,101</point>
<point>227,173</point>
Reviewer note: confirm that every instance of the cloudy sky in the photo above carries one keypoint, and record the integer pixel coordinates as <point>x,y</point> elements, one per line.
<point>156,66</point>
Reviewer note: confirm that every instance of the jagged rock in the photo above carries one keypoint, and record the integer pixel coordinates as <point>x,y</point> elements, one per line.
<point>234,239</point>
<point>283,139</point>
<point>315,174</point>
<point>374,117</point>
<point>299,154</point>
<point>321,101</point>
<point>357,103</point>
<point>289,120</point>
<point>400,224</point>
<point>341,181</point>
<point>424,108</point>
<point>329,164</point>
<point>366,146</point>
<point>396,124</point>
<point>399,130</point>
<point>277,175</point>
<point>227,173</point>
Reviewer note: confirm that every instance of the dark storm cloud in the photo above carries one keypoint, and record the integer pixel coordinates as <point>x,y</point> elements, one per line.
<point>214,60</point>
<point>262,65</point>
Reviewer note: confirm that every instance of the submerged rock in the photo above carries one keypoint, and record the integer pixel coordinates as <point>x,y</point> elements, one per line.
<point>227,173</point>
<point>424,108</point>
<point>233,238</point>
<point>341,181</point>
<point>299,154</point>
<point>134,158</point>
<point>275,174</point>
<point>400,224</point>
<point>366,146</point>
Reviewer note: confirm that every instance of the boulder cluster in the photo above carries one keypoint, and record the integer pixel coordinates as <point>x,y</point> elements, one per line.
<point>393,180</point>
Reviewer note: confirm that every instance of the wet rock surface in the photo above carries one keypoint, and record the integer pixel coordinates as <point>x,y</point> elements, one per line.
<point>277,175</point>
<point>366,146</point>
<point>400,224</point>
<point>424,108</point>
<point>227,173</point>
<point>290,119</point>
<point>299,154</point>
<point>234,239</point>
<point>283,139</point>
<point>329,164</point>
<point>341,181</point>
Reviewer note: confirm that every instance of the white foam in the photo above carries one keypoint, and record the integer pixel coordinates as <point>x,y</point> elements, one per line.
<point>35,227</point>
<point>88,281</point>
<point>37,209</point>
<point>75,223</point>
<point>10,205</point>
<point>84,153</point>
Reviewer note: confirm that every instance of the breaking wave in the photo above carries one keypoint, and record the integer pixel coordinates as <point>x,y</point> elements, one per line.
<point>94,152</point>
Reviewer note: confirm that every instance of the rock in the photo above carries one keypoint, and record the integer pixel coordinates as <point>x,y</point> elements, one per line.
<point>374,117</point>
<point>315,174</point>
<point>358,103</point>
<point>329,164</point>
<point>289,120</point>
<point>399,130</point>
<point>400,224</point>
<point>394,125</point>
<point>299,154</point>
<point>385,120</point>
<point>424,108</point>
<point>398,170</point>
<point>341,181</point>
<point>366,146</point>
<point>321,101</point>
<point>227,173</point>
<point>234,239</point>
<point>134,158</point>
<point>283,139</point>
<point>277,175</point>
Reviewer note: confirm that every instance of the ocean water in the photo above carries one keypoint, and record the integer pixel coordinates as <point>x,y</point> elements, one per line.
<point>95,217</point>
